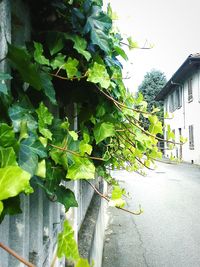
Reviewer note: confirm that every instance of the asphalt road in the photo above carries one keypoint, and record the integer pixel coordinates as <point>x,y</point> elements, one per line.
<point>167,234</point>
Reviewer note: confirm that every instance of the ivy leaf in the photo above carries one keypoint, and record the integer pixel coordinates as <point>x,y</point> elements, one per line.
<point>20,115</point>
<point>7,135</point>
<point>55,42</point>
<point>81,169</point>
<point>66,197</point>
<point>98,74</point>
<point>13,180</point>
<point>71,67</point>
<point>82,263</point>
<point>121,52</point>
<point>21,61</point>
<point>98,24</point>
<point>116,198</point>
<point>1,207</point>
<point>7,157</point>
<point>45,118</point>
<point>132,44</point>
<point>66,243</point>
<point>41,169</point>
<point>85,148</point>
<point>29,151</point>
<point>30,73</point>
<point>58,61</point>
<point>38,54</point>
<point>155,125</point>
<point>3,78</point>
<point>103,130</point>
<point>11,206</point>
<point>74,135</point>
<point>59,157</point>
<point>47,86</point>
<point>80,44</point>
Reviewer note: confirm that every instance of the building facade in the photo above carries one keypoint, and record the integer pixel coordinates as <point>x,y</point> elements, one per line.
<point>181,96</point>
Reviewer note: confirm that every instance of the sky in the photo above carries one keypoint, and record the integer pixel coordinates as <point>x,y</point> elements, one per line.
<point>171,26</point>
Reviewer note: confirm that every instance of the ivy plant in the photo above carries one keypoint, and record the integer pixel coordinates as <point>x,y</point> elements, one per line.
<point>73,57</point>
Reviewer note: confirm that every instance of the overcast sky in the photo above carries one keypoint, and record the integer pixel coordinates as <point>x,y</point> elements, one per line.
<point>172,26</point>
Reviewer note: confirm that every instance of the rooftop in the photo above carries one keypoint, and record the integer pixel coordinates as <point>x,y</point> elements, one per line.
<point>190,64</point>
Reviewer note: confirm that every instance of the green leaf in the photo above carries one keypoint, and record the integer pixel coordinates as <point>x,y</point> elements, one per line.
<point>103,130</point>
<point>66,197</point>
<point>116,198</point>
<point>13,180</point>
<point>98,74</point>
<point>55,42</point>
<point>29,151</point>
<point>38,54</point>
<point>66,243</point>
<point>132,44</point>
<point>58,61</point>
<point>11,206</point>
<point>81,169</point>
<point>99,24</point>
<point>3,78</point>
<point>59,157</point>
<point>1,207</point>
<point>41,169</point>
<point>71,67</point>
<point>47,86</point>
<point>21,61</point>
<point>155,125</point>
<point>7,135</point>
<point>74,135</point>
<point>30,73</point>
<point>19,116</point>
<point>121,52</point>
<point>85,148</point>
<point>82,263</point>
<point>45,118</point>
<point>7,157</point>
<point>80,44</point>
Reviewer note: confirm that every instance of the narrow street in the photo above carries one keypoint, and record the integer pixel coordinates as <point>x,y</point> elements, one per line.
<point>167,234</point>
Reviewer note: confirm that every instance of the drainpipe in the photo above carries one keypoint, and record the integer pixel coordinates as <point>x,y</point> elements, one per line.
<point>183,98</point>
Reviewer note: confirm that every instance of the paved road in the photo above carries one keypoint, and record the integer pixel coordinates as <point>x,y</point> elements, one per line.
<point>167,234</point>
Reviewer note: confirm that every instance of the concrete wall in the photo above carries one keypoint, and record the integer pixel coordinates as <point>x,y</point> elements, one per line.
<point>187,115</point>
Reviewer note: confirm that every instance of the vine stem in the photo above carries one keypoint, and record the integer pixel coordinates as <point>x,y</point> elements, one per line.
<point>14,254</point>
<point>135,47</point>
<point>76,154</point>
<point>108,200</point>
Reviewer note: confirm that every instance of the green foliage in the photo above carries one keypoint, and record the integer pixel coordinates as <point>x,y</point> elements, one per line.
<point>66,243</point>
<point>73,59</point>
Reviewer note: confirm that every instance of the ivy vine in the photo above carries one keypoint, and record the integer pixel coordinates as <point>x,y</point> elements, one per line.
<point>73,57</point>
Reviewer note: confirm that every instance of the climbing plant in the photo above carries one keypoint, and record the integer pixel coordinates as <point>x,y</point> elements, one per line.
<point>69,69</point>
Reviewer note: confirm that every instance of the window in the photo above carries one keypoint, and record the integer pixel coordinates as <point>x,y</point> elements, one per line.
<point>190,96</point>
<point>191,137</point>
<point>179,97</point>
<point>171,103</point>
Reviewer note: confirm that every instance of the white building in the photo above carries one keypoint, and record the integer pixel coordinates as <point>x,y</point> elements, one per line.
<point>181,96</point>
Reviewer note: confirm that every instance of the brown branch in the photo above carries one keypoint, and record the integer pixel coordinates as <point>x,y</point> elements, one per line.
<point>130,46</point>
<point>14,254</point>
<point>120,104</point>
<point>108,200</point>
<point>74,153</point>
<point>66,78</point>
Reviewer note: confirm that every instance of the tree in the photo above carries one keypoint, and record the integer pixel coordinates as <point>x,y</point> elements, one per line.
<point>151,85</point>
